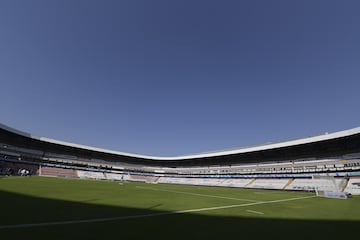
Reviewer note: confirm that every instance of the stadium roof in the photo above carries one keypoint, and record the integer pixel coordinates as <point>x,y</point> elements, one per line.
<point>342,142</point>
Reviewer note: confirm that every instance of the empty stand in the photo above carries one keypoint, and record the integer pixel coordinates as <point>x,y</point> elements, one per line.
<point>57,172</point>
<point>90,174</point>
<point>307,184</point>
<point>269,183</point>
<point>142,178</point>
<point>353,186</point>
<point>235,182</point>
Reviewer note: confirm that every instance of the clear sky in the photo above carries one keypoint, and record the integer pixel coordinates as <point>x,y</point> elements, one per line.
<point>169,78</point>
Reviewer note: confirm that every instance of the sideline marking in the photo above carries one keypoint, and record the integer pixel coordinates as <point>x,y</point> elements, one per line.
<point>95,220</point>
<point>196,194</point>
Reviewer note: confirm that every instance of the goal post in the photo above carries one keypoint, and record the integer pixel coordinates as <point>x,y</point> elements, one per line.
<point>327,186</point>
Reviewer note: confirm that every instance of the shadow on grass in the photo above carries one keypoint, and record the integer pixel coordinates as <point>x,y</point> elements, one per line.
<point>150,224</point>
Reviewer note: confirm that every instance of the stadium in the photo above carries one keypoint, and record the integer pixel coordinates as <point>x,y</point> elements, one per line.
<point>292,188</point>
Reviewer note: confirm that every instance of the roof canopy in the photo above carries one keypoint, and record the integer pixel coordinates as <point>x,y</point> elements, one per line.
<point>326,145</point>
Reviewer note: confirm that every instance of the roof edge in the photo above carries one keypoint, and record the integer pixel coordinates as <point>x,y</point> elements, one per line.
<point>268,146</point>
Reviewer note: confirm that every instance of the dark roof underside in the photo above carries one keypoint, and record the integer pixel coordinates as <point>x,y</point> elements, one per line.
<point>322,149</point>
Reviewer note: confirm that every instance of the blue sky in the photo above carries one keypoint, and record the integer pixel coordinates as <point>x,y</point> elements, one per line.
<point>169,78</point>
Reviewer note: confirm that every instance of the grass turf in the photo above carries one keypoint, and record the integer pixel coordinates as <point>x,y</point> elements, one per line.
<point>242,213</point>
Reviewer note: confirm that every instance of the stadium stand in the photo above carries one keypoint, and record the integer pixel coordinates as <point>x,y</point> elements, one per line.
<point>269,183</point>
<point>91,175</point>
<point>353,186</point>
<point>288,165</point>
<point>309,184</point>
<point>57,172</point>
<point>190,181</point>
<point>142,178</point>
<point>18,168</point>
<point>235,182</point>
<point>114,176</point>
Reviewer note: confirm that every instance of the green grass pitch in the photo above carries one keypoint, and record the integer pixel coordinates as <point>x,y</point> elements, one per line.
<point>55,208</point>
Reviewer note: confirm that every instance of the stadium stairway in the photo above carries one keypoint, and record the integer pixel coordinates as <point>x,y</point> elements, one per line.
<point>344,184</point>
<point>288,184</point>
<point>250,183</point>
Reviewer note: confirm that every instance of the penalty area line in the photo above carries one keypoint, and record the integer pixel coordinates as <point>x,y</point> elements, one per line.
<point>96,220</point>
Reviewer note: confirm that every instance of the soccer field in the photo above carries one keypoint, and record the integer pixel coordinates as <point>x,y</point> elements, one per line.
<point>55,208</point>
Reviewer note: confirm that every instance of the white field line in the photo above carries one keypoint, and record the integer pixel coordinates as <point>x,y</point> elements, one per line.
<point>95,220</point>
<point>252,211</point>
<point>196,194</point>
